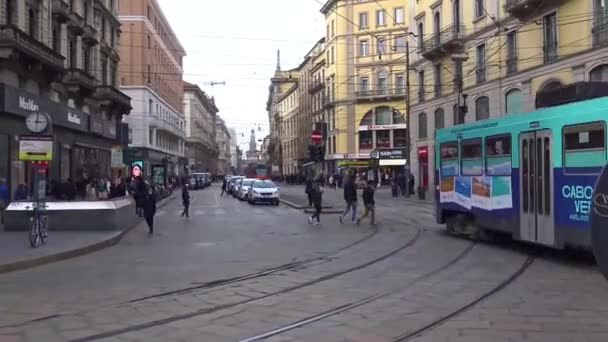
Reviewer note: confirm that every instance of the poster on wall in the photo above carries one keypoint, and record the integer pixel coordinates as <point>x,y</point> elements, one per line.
<point>462,188</point>
<point>482,192</point>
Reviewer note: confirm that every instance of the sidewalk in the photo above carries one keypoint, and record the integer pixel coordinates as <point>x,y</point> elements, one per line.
<point>16,253</point>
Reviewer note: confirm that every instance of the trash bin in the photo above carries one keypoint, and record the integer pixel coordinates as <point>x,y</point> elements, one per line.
<point>421,193</point>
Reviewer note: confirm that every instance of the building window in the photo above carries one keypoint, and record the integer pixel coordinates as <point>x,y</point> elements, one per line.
<point>398,15</point>
<point>382,84</point>
<point>422,129</point>
<point>479,9</point>
<point>457,74</point>
<point>383,139</point>
<point>56,37</point>
<point>73,53</point>
<point>363,24</point>
<point>333,28</point>
<point>364,86</point>
<point>480,57</point>
<point>400,138</point>
<point>380,18</point>
<point>399,84</point>
<point>421,86</point>
<point>150,107</point>
<point>420,36</point>
<point>456,15</point>
<point>366,140</point>
<point>439,118</point>
<point>149,74</point>
<point>600,23</point>
<point>363,48</point>
<point>482,108</point>
<point>333,55</point>
<point>33,14</point>
<point>599,73</point>
<point>399,44</point>
<point>380,46</point>
<point>550,37</point>
<point>437,80</point>
<point>511,52</point>
<point>513,101</point>
<point>383,116</point>
<point>10,12</point>
<point>86,58</point>
<point>104,69</point>
<point>458,116</point>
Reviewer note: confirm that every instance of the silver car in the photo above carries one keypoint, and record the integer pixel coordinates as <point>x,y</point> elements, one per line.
<point>264,191</point>
<point>243,188</point>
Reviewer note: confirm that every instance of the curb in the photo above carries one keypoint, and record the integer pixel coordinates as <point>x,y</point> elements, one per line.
<point>329,211</point>
<point>72,253</point>
<point>301,207</point>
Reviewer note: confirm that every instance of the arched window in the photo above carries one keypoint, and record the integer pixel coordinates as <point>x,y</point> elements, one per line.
<point>439,118</point>
<point>513,101</point>
<point>422,129</point>
<point>482,108</point>
<point>599,73</point>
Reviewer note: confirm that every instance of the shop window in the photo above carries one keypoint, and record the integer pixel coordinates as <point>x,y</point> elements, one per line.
<point>449,158</point>
<point>498,155</point>
<point>400,138</point>
<point>366,140</point>
<point>398,117</point>
<point>584,146</point>
<point>383,139</point>
<point>471,158</point>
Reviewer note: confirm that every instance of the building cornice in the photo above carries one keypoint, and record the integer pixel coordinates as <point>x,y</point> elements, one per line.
<point>160,98</point>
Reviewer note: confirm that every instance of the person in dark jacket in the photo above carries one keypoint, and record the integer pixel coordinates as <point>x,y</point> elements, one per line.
<point>317,200</point>
<point>350,197</point>
<point>369,203</point>
<point>309,191</point>
<point>149,208</point>
<point>186,200</point>
<point>224,186</point>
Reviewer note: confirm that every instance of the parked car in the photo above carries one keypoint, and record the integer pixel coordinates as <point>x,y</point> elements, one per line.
<point>263,191</point>
<point>197,181</point>
<point>235,187</point>
<point>243,188</point>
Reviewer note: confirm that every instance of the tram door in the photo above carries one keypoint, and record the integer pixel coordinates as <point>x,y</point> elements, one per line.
<point>536,187</point>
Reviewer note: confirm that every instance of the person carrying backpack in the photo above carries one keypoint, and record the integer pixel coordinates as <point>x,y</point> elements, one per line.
<point>369,203</point>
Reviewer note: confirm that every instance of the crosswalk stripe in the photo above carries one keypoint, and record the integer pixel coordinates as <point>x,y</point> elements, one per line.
<point>220,211</point>
<point>199,212</point>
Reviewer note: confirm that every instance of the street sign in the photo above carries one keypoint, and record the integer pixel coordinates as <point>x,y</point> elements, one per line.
<point>316,136</point>
<point>36,147</point>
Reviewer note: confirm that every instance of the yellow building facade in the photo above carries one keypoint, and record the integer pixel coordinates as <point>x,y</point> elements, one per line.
<point>365,81</point>
<point>503,52</point>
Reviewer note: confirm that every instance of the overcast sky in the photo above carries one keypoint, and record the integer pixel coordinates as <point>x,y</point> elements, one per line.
<point>236,42</point>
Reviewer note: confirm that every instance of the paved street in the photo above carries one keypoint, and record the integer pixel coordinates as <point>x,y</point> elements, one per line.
<point>235,272</point>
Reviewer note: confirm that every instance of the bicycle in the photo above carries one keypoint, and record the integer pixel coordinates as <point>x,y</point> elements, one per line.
<point>39,232</point>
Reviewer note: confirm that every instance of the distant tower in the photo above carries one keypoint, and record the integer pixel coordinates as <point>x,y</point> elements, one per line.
<point>252,143</point>
<point>278,60</point>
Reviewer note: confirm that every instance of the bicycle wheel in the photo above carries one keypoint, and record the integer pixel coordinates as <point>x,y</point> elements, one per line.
<point>34,234</point>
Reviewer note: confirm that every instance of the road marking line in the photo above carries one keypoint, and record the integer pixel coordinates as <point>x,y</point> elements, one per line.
<point>220,211</point>
<point>199,212</point>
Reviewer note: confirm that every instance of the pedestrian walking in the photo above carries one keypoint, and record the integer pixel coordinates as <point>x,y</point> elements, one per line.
<point>224,185</point>
<point>317,200</point>
<point>308,190</point>
<point>186,200</point>
<point>150,209</point>
<point>350,197</point>
<point>331,182</point>
<point>369,203</point>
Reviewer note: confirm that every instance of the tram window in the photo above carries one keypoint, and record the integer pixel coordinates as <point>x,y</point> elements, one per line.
<point>449,158</point>
<point>498,155</point>
<point>584,145</point>
<point>471,157</point>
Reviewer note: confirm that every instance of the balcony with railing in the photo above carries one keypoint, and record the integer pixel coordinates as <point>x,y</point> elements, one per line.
<point>90,35</point>
<point>316,86</point>
<point>523,8</point>
<point>380,94</point>
<point>76,22</point>
<point>61,10</point>
<point>113,98</point>
<point>13,41</point>
<point>449,40</point>
<point>550,52</point>
<point>328,100</point>
<point>600,33</point>
<point>79,81</point>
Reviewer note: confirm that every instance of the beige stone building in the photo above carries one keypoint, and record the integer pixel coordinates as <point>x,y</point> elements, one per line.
<point>200,112</point>
<point>151,73</point>
<point>60,57</point>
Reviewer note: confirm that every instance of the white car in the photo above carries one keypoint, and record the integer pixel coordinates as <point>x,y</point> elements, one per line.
<point>263,191</point>
<point>243,188</point>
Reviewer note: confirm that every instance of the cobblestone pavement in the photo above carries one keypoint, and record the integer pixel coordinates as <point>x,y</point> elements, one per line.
<point>337,283</point>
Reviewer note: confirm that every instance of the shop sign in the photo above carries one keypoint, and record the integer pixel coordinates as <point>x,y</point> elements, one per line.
<point>353,163</point>
<point>334,156</point>
<point>392,153</point>
<point>423,151</point>
<point>36,147</point>
<point>382,127</point>
<point>357,156</point>
<point>74,117</point>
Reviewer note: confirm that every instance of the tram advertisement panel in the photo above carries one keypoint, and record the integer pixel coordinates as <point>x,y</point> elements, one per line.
<point>484,192</point>
<point>573,200</point>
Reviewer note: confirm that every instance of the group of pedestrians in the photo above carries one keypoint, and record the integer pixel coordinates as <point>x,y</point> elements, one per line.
<point>315,200</point>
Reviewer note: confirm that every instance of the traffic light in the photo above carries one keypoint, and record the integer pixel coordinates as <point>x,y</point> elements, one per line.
<point>316,153</point>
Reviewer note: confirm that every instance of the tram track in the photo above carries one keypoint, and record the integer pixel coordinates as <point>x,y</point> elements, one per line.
<point>137,327</point>
<point>350,306</point>
<point>207,285</point>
